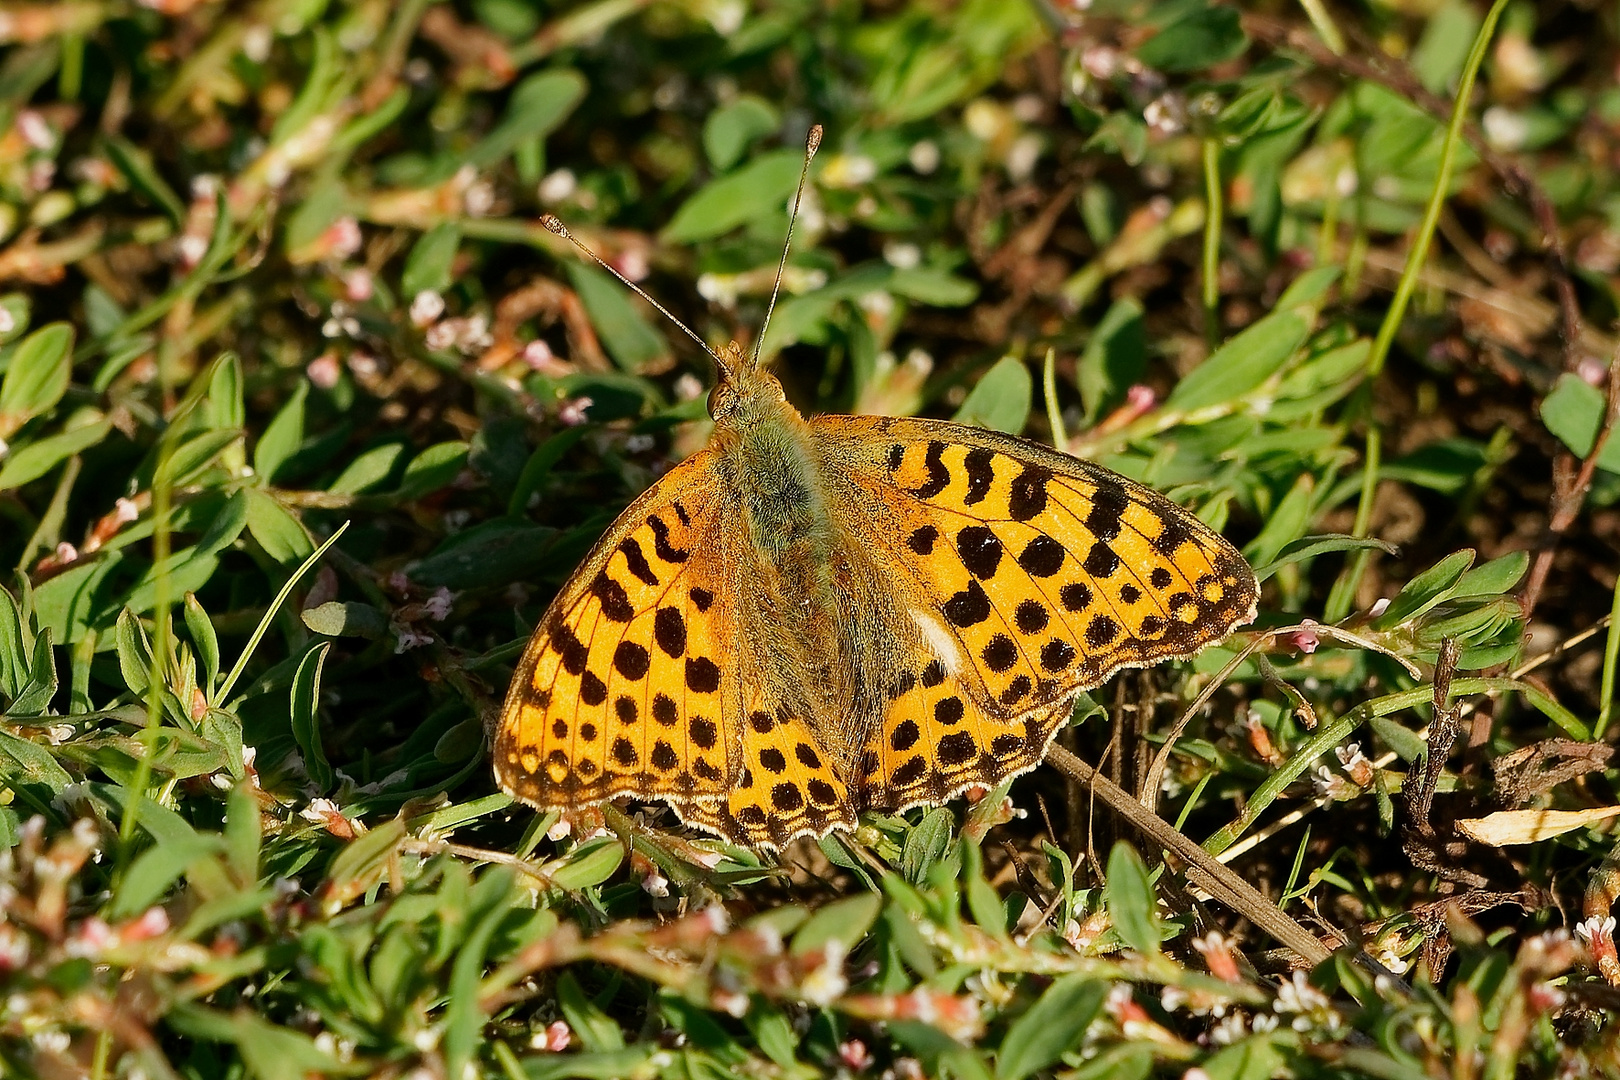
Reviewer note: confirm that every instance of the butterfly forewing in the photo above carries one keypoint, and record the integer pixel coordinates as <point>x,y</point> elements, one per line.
<point>618,692</point>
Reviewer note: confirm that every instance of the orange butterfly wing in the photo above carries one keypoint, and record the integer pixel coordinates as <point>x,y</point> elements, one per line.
<point>643,680</point>
<point>1034,575</point>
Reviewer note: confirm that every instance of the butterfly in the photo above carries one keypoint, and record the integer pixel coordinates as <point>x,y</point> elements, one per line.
<point>809,618</point>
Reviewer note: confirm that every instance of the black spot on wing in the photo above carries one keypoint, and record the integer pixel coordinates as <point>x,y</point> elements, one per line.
<point>1027,496</point>
<point>980,551</point>
<point>969,607</point>
<point>939,477</point>
<point>980,467</point>
<point>922,541</point>
<point>637,562</point>
<point>611,595</point>
<point>1108,506</point>
<point>661,544</point>
<point>669,631</point>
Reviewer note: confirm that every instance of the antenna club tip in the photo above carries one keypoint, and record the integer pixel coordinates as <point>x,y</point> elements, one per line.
<point>554,224</point>
<point>812,142</point>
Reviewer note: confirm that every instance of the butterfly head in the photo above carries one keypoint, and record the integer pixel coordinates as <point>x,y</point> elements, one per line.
<point>744,390</point>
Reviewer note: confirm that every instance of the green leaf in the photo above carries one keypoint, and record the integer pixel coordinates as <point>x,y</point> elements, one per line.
<point>37,376</point>
<point>1426,589</point>
<point>1132,906</point>
<point>592,863</point>
<point>732,128</point>
<point>1199,40</point>
<point>306,720</point>
<point>432,469</point>
<point>1254,1058</point>
<point>538,468</point>
<point>339,619</point>
<point>1495,577</point>
<point>1574,413</point>
<point>136,165</point>
<point>369,469</point>
<point>844,921</point>
<point>757,190</point>
<point>15,643</point>
<point>277,531</point>
<point>934,286</point>
<point>20,308</point>
<point>986,907</point>
<point>494,552</point>
<point>201,629</point>
<point>70,601</point>
<point>134,652</point>
<point>1309,547</point>
<point>1051,1027</point>
<point>1115,359</point>
<point>925,844</point>
<point>596,1029</point>
<point>537,106</point>
<point>194,455</point>
<point>282,436</point>
<point>428,266</point>
<point>627,337</point>
<point>156,869</point>
<point>1441,51</point>
<point>31,771</point>
<point>1001,400</point>
<point>269,1051</point>
<point>36,694</point>
<point>1286,523</point>
<point>38,458</point>
<point>463,1018</point>
<point>1242,364</point>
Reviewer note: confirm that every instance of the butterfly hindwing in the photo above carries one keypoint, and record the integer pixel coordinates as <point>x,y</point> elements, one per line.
<point>1042,575</point>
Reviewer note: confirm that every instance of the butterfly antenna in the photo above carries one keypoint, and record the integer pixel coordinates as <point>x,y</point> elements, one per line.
<point>812,143</point>
<point>554,224</point>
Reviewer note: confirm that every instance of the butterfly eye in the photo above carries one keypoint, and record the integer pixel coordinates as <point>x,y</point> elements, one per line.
<point>721,400</point>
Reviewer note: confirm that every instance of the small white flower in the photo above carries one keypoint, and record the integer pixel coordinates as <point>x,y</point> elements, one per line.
<point>410,639</point>
<point>573,412</point>
<point>848,171</point>
<point>343,238</point>
<point>655,884</point>
<point>537,354</point>
<point>557,186</point>
<point>440,336</point>
<point>1299,996</point>
<point>923,156</point>
<point>639,444</point>
<point>256,41</point>
<point>192,248</point>
<point>1504,128</point>
<point>325,370</point>
<point>1100,61</point>
<point>426,307</point>
<point>688,387</point>
<point>479,199</point>
<point>1023,156</point>
<point>1166,114</point>
<point>902,255</point>
<point>438,605</point>
<point>727,16</point>
<point>358,285</point>
<point>35,130</point>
